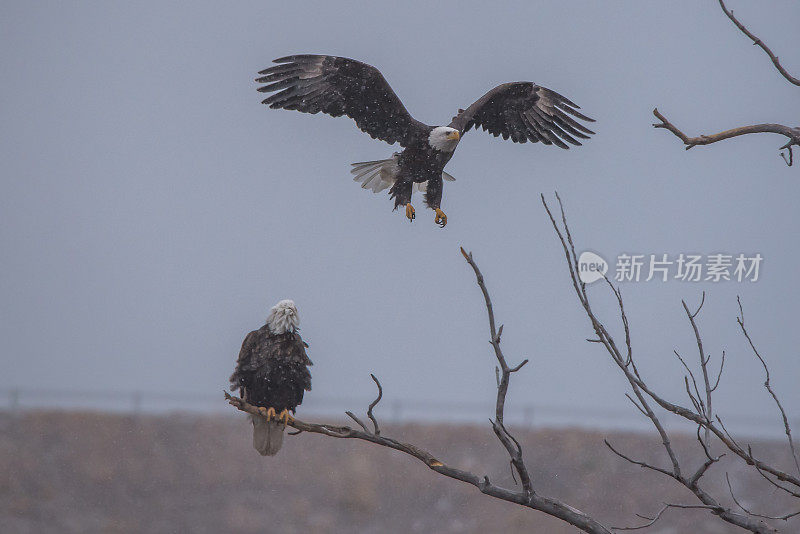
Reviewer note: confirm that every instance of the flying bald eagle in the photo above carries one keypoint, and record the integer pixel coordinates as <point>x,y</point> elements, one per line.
<point>272,373</point>
<point>522,111</point>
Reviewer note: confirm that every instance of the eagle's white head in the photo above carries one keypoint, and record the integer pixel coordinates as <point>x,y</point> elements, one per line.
<point>283,317</point>
<point>444,138</point>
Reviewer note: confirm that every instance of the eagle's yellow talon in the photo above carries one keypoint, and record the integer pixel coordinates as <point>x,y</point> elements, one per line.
<point>441,218</point>
<point>285,417</point>
<point>410,212</point>
<point>269,413</point>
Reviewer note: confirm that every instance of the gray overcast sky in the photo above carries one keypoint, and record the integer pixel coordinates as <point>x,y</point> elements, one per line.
<point>153,209</point>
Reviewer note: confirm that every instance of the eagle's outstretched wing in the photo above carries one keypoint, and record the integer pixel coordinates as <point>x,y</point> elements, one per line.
<point>525,111</point>
<point>341,86</point>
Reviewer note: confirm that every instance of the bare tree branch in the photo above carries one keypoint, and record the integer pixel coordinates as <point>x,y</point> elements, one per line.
<point>787,429</point>
<point>768,478</point>
<point>639,463</point>
<point>758,42</point>
<point>338,431</point>
<point>642,391</point>
<point>510,443</point>
<point>793,134</point>
<point>703,444</point>
<point>636,404</point>
<point>697,401</point>
<point>652,520</point>
<point>609,344</point>
<point>626,364</point>
<point>360,423</point>
<point>784,517</point>
<point>719,374</point>
<point>707,410</point>
<point>790,158</point>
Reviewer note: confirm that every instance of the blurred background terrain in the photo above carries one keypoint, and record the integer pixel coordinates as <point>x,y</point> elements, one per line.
<point>91,472</point>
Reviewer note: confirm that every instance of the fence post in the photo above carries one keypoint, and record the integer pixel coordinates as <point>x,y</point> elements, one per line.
<point>13,401</point>
<point>396,409</point>
<point>137,402</point>
<point>527,416</point>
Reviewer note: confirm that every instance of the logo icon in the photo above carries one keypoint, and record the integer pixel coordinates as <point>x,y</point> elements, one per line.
<point>591,267</point>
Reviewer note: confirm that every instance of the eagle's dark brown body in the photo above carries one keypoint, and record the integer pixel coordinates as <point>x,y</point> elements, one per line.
<point>420,164</point>
<point>272,370</point>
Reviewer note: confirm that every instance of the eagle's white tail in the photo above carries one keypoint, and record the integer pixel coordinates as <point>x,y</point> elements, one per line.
<point>267,435</point>
<point>381,174</point>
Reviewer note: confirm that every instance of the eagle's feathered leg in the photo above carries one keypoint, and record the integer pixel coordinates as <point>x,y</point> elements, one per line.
<point>433,198</point>
<point>401,193</point>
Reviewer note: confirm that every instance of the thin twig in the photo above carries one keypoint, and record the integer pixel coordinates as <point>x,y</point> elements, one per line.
<point>783,517</point>
<point>781,487</point>
<point>636,404</point>
<point>708,411</point>
<point>376,428</point>
<point>786,427</point>
<point>787,146</point>
<point>719,375</point>
<point>758,42</point>
<point>638,462</point>
<point>696,399</point>
<point>352,416</point>
<point>650,520</point>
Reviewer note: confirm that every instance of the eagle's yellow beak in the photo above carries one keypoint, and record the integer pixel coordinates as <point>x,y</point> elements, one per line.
<point>454,135</point>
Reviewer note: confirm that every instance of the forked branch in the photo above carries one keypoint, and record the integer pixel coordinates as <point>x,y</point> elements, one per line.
<point>510,443</point>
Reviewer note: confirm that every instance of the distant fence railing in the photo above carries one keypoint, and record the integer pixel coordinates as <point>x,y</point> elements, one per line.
<point>390,410</point>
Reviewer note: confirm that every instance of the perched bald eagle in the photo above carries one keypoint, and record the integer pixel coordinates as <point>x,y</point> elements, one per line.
<point>272,373</point>
<point>522,111</point>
